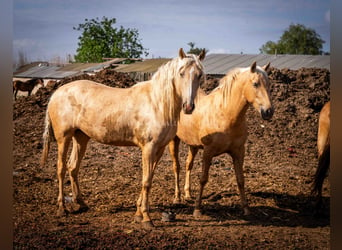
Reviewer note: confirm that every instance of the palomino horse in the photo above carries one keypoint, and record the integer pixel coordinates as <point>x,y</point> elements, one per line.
<point>144,115</point>
<point>218,125</point>
<point>26,86</point>
<point>323,146</point>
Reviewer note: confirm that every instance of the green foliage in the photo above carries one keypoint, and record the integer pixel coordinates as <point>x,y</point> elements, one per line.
<point>297,39</point>
<point>100,40</point>
<point>195,51</point>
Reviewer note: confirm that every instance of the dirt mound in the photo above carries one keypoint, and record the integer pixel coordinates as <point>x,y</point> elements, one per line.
<point>279,163</point>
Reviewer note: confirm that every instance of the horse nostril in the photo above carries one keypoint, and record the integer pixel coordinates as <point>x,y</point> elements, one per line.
<point>188,108</point>
<point>267,114</point>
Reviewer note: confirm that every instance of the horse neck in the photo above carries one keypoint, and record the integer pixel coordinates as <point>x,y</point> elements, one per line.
<point>231,102</point>
<point>166,99</point>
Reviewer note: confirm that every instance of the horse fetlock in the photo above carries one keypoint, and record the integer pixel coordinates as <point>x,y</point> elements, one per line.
<point>62,211</point>
<point>197,213</point>
<point>177,200</point>
<point>187,194</point>
<point>138,218</point>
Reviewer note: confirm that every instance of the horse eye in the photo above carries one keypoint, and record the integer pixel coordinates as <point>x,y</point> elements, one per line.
<point>182,74</point>
<point>256,84</point>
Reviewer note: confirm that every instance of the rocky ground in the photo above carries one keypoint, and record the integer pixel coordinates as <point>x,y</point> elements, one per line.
<point>279,164</point>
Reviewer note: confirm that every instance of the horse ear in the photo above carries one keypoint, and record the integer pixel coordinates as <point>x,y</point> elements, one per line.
<point>253,67</point>
<point>202,55</point>
<point>266,67</point>
<point>181,53</point>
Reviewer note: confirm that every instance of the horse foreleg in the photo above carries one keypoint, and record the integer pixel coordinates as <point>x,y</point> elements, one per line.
<point>238,159</point>
<point>61,170</point>
<point>174,150</point>
<point>80,141</point>
<point>150,158</point>
<point>204,179</point>
<point>188,167</point>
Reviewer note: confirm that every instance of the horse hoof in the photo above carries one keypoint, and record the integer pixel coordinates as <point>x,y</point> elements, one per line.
<point>80,209</point>
<point>188,199</point>
<point>62,212</point>
<point>138,218</point>
<point>197,213</point>
<point>246,211</point>
<point>168,216</point>
<point>177,201</point>
<point>147,225</point>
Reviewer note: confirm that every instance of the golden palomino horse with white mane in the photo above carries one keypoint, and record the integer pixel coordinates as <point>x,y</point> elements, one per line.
<point>218,125</point>
<point>144,115</point>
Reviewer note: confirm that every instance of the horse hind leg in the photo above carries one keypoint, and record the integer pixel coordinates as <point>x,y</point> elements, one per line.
<point>80,141</point>
<point>320,175</point>
<point>63,145</point>
<point>238,159</point>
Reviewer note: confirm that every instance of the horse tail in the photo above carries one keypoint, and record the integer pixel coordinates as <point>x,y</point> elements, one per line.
<point>47,138</point>
<point>321,172</point>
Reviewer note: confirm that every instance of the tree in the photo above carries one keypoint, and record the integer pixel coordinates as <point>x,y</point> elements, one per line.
<point>194,50</point>
<point>297,39</point>
<point>100,40</point>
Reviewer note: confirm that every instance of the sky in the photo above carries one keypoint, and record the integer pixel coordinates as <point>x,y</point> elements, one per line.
<point>43,29</point>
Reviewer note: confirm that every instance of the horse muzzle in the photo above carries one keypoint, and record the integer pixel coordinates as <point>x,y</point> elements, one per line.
<point>267,114</point>
<point>188,108</point>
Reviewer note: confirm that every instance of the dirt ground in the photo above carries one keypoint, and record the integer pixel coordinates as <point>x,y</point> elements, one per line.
<point>279,164</point>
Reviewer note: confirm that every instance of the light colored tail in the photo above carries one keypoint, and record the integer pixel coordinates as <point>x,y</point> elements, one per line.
<point>47,138</point>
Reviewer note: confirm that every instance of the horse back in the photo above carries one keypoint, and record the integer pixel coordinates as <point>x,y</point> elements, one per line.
<point>109,115</point>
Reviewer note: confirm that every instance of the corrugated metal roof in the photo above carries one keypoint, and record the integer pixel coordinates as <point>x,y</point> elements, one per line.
<point>215,64</point>
<point>44,71</point>
<point>220,64</point>
<point>149,66</point>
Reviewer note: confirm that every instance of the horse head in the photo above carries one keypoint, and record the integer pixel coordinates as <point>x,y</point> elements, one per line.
<point>257,90</point>
<point>189,75</point>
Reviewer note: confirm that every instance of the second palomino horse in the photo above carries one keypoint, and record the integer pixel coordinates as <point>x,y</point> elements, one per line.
<point>218,125</point>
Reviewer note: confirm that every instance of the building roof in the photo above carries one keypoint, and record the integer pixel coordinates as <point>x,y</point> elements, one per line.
<point>148,65</point>
<point>215,64</point>
<point>221,63</point>
<point>46,70</point>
